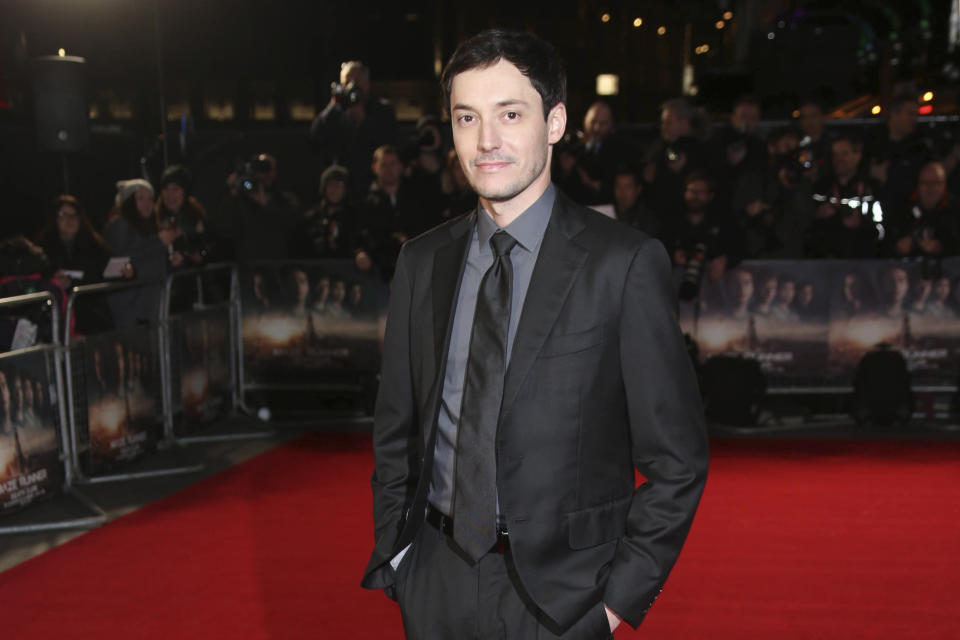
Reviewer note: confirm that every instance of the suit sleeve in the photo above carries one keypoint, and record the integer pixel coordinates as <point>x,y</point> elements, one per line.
<point>668,437</point>
<point>394,432</point>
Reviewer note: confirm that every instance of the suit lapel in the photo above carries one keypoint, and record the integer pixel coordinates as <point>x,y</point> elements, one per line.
<point>448,263</point>
<point>558,264</point>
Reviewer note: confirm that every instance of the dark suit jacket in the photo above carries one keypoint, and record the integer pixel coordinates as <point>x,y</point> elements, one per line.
<point>599,383</point>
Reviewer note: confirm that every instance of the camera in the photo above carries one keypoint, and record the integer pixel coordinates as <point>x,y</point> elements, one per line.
<point>693,273</point>
<point>249,171</point>
<point>347,95</point>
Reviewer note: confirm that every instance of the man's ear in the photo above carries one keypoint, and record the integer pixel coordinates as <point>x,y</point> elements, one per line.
<point>556,123</point>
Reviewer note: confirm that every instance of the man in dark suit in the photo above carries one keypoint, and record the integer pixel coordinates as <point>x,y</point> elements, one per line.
<point>532,361</point>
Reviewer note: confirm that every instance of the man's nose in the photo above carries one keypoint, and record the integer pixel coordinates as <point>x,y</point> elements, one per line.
<point>489,138</point>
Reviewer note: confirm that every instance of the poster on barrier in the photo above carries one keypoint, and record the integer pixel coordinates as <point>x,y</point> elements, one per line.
<point>913,307</point>
<point>205,388</point>
<point>304,321</point>
<point>124,410</point>
<point>776,312</point>
<point>30,467</point>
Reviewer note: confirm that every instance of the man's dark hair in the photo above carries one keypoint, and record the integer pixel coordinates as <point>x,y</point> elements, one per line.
<point>850,138</point>
<point>536,59</point>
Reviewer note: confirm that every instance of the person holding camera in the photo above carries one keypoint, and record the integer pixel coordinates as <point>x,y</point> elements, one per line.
<point>353,125</point>
<point>674,155</point>
<point>254,215</point>
<point>927,224</point>
<point>176,208</point>
<point>898,152</point>
<point>847,215</point>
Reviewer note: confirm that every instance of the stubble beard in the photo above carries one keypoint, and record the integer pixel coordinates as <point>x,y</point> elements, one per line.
<point>509,191</point>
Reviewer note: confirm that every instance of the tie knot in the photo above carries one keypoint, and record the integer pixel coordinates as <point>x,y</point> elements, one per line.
<point>502,243</point>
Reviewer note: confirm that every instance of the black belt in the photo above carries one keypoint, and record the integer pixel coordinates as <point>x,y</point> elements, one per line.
<point>443,522</point>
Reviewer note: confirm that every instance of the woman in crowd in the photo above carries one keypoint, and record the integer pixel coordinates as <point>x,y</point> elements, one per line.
<point>132,232</point>
<point>176,208</point>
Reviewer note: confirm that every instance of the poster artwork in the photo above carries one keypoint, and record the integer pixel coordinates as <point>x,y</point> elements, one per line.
<point>205,379</point>
<point>123,408</point>
<point>306,320</point>
<point>30,467</point>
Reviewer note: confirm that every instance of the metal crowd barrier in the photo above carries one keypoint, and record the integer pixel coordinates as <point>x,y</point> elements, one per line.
<point>54,352</point>
<point>79,432</point>
<point>173,365</point>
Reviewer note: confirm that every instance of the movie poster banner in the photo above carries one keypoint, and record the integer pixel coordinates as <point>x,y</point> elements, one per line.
<point>775,312</point>
<point>205,389</point>
<point>30,466</point>
<point>310,322</point>
<point>808,323</point>
<point>914,307</point>
<point>124,407</point>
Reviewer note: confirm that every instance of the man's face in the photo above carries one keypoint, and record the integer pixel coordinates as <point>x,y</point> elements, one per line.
<point>625,191</point>
<point>931,186</point>
<point>502,140</point>
<point>598,122</point>
<point>745,118</point>
<point>356,75</point>
<point>899,284</point>
<point>786,291</point>
<point>672,126</point>
<point>697,196</point>
<point>903,120</point>
<point>769,291</point>
<point>941,290</point>
<point>388,169</point>
<point>303,284</point>
<point>846,159</point>
<point>339,291</point>
<point>806,294</point>
<point>745,285</point>
<point>811,120</point>
<point>172,195</point>
<point>851,287</point>
<point>785,145</point>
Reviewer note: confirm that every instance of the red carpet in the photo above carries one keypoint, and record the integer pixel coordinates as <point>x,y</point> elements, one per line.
<point>795,539</point>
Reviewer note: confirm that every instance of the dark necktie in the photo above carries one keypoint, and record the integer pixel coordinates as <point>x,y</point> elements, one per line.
<point>475,485</point>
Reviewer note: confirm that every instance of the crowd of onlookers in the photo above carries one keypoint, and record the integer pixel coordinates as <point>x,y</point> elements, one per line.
<point>712,193</point>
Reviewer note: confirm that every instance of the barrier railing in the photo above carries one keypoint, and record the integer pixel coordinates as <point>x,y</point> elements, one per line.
<point>201,354</point>
<point>115,380</point>
<point>35,460</point>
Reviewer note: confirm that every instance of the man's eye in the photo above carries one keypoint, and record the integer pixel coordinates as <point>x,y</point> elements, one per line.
<point>511,115</point>
<point>465,119</point>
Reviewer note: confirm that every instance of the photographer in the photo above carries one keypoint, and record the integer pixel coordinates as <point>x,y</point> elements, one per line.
<point>701,240</point>
<point>353,125</point>
<point>927,224</point>
<point>254,214</point>
<point>847,216</point>
<point>770,202</point>
<point>674,155</point>
<point>899,151</point>
<point>601,154</point>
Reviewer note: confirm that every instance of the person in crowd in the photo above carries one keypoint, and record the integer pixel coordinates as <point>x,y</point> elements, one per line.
<point>328,229</point>
<point>929,222</point>
<point>628,206</point>
<point>566,170</point>
<point>132,232</point>
<point>78,256</point>
<point>602,153</point>
<point>898,152</point>
<point>770,202</point>
<point>353,125</point>
<point>176,208</point>
<point>738,149</point>
<point>459,196</point>
<point>424,168</point>
<point>701,232</point>
<point>815,139</point>
<point>844,208</point>
<point>391,212</point>
<point>254,215</point>
<point>675,154</point>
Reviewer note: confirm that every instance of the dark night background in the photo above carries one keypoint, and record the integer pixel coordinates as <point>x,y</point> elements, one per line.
<point>241,76</point>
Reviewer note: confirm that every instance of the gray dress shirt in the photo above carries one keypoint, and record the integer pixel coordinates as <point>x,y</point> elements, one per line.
<point>528,229</point>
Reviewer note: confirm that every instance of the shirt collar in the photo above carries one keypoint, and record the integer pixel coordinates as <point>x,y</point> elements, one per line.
<point>528,228</point>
